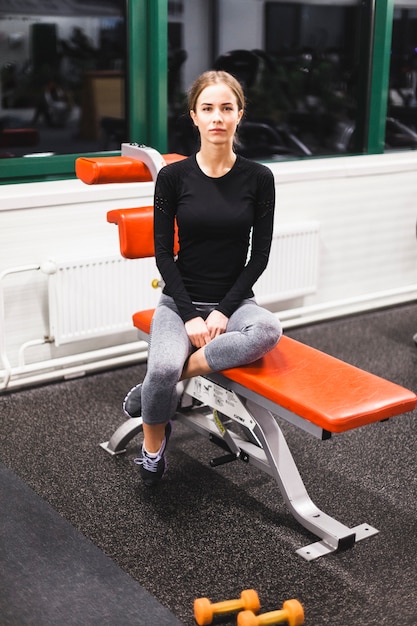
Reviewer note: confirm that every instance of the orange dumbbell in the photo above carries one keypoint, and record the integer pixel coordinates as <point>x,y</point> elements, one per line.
<point>204,610</point>
<point>292,613</point>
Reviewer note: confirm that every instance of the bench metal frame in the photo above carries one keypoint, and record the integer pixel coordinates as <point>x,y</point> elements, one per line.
<point>212,406</point>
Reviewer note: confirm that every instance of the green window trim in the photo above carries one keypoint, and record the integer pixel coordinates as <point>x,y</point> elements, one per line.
<point>158,75</point>
<point>380,69</point>
<point>148,72</point>
<point>40,169</point>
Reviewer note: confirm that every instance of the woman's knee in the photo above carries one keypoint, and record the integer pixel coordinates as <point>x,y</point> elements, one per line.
<point>163,374</point>
<point>267,332</point>
<point>274,328</point>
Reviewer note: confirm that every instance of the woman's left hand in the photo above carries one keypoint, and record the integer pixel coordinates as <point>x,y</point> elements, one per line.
<point>216,323</point>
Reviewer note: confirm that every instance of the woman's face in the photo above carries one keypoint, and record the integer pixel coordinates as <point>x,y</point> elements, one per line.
<point>216,114</point>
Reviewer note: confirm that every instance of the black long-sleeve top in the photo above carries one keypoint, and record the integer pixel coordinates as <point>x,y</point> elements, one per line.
<point>225,228</point>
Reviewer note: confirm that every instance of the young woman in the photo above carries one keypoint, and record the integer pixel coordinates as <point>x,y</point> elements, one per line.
<point>207,318</point>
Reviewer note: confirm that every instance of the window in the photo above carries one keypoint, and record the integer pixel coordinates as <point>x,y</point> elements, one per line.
<point>315,73</point>
<point>401,127</point>
<point>62,77</point>
<point>304,67</point>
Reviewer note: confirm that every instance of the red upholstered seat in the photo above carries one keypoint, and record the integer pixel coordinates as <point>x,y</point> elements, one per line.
<point>332,394</point>
<point>322,389</point>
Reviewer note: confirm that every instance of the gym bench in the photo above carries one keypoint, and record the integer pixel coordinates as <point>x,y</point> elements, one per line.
<point>237,408</point>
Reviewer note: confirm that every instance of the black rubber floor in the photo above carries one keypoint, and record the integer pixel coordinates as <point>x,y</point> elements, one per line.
<point>204,531</point>
<point>52,575</point>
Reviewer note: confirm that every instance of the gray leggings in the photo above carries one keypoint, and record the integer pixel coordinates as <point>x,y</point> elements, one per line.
<point>251,332</point>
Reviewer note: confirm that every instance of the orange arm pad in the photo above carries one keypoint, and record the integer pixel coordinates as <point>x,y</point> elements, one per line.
<point>135,231</point>
<point>118,169</point>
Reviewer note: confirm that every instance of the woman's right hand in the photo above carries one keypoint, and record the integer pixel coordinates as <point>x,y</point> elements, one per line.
<point>197,332</point>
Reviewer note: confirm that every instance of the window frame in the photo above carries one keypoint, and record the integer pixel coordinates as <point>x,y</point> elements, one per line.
<point>380,69</point>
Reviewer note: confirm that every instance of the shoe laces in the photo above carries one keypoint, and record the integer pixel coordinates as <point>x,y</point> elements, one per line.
<point>150,463</point>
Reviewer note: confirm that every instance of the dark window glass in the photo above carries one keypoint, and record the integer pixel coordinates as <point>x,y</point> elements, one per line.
<point>62,76</point>
<point>401,128</point>
<point>303,67</point>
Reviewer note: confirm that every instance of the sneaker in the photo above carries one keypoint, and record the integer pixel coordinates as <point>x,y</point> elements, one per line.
<point>132,404</point>
<point>152,468</point>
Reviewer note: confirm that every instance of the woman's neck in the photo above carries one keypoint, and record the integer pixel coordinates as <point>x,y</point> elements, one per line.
<point>215,163</point>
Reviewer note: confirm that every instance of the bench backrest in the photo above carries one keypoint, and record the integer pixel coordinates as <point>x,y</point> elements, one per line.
<point>136,232</point>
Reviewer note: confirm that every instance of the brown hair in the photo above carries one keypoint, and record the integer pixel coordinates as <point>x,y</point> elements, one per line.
<point>213,77</point>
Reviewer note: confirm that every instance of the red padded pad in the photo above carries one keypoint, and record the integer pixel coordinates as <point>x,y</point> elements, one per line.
<point>117,169</point>
<point>332,394</point>
<point>142,320</point>
<point>102,170</point>
<point>322,389</point>
<point>136,231</point>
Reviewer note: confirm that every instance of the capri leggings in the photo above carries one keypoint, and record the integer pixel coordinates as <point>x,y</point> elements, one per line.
<point>251,332</point>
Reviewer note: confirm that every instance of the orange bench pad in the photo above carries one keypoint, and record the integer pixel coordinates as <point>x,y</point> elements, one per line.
<point>117,169</point>
<point>135,227</point>
<point>136,231</point>
<point>142,320</point>
<point>320,388</point>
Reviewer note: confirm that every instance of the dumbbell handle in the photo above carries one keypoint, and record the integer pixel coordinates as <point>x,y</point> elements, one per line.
<point>228,606</point>
<point>273,617</point>
<point>291,616</point>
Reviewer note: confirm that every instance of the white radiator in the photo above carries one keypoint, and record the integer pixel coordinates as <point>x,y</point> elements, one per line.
<point>293,264</point>
<point>97,297</point>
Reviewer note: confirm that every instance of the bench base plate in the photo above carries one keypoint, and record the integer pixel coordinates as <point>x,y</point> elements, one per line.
<point>321,548</point>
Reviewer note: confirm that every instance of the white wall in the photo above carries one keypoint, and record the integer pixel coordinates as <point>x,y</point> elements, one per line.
<point>62,221</point>
<point>367,211</point>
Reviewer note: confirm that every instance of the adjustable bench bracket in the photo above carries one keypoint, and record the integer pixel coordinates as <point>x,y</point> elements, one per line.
<point>153,160</point>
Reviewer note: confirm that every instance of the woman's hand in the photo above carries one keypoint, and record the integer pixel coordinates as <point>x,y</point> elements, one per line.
<point>197,332</point>
<point>201,332</point>
<point>216,323</point>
